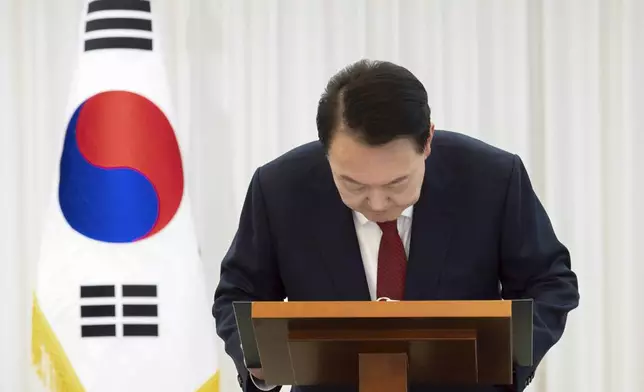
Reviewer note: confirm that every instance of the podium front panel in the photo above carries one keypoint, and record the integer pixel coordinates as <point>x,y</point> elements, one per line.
<point>440,351</point>
<point>431,360</point>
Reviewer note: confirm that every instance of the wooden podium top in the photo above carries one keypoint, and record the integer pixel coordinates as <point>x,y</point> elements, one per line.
<point>381,309</point>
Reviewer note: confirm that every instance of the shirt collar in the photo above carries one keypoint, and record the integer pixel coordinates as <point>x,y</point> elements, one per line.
<point>407,213</point>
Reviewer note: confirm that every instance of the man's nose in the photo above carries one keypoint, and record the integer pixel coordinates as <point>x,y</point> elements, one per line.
<point>377,200</point>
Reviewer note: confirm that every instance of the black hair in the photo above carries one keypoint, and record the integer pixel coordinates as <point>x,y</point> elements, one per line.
<point>378,101</point>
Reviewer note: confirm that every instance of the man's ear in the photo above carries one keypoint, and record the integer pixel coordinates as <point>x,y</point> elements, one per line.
<point>428,145</point>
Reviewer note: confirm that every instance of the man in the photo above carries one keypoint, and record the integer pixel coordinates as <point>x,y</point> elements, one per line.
<point>385,206</point>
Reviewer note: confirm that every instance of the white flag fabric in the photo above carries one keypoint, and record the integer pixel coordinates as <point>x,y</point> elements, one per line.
<point>120,302</point>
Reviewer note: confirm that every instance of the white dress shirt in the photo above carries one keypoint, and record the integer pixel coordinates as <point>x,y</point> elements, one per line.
<point>369,234</point>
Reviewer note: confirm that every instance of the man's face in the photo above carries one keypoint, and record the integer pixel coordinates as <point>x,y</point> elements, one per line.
<point>379,182</point>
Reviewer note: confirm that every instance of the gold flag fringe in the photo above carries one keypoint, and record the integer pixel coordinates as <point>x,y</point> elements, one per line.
<point>48,357</point>
<point>211,385</point>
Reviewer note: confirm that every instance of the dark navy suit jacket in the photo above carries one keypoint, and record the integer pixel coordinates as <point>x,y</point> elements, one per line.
<point>478,232</point>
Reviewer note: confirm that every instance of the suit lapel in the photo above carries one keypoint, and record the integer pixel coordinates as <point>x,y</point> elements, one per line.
<point>432,224</point>
<point>336,242</point>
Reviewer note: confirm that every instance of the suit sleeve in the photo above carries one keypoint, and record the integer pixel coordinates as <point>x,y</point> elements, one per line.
<point>248,273</point>
<point>534,264</point>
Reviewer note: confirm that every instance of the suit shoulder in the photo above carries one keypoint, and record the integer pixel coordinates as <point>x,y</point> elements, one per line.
<point>468,151</point>
<point>473,163</point>
<point>293,166</point>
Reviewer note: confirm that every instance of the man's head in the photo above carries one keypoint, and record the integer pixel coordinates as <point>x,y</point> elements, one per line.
<point>374,121</point>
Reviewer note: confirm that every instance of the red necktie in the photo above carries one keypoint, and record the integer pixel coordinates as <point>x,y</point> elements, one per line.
<point>392,263</point>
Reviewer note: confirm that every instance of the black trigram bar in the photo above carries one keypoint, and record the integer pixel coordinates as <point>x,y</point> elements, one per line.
<point>94,331</point>
<point>131,290</point>
<point>98,311</point>
<point>140,330</point>
<point>118,23</point>
<point>138,24</point>
<point>121,5</point>
<point>118,43</point>
<point>140,311</point>
<point>96,291</point>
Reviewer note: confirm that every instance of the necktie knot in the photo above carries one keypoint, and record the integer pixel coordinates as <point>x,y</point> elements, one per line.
<point>388,228</point>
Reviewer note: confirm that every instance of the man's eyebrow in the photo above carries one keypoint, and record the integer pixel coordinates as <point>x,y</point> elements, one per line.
<point>395,181</point>
<point>349,179</point>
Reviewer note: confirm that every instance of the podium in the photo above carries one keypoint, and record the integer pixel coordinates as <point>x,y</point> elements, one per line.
<point>386,346</point>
